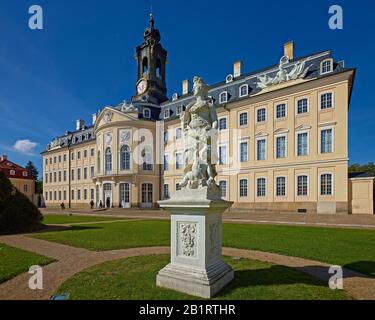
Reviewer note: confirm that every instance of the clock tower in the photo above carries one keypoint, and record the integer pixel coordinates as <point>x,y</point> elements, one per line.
<point>151,58</point>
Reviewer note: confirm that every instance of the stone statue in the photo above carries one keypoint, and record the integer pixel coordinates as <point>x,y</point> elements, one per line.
<point>199,125</point>
<point>298,72</point>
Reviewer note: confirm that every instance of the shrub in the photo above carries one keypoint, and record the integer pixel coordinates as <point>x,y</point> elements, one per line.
<point>17,213</point>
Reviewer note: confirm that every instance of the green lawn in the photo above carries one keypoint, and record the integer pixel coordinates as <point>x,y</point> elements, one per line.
<point>346,247</point>
<point>14,261</point>
<point>134,279</point>
<point>66,219</point>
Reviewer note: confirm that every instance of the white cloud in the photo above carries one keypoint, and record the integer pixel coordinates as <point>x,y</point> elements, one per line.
<point>25,146</point>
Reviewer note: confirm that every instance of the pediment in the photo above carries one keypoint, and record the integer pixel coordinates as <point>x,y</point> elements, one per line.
<point>303,127</point>
<point>281,130</point>
<point>110,115</point>
<point>261,134</point>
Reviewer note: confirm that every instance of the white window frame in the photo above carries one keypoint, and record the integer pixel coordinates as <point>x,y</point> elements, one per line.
<point>322,63</point>
<point>308,142</point>
<point>175,132</point>
<point>308,186</point>
<point>239,150</point>
<point>286,145</point>
<point>256,115</point>
<point>240,89</point>
<point>166,113</point>
<point>286,110</point>
<point>320,138</point>
<point>226,187</point>
<point>265,187</point>
<point>182,160</point>
<point>320,100</point>
<point>286,186</point>
<point>179,110</point>
<point>221,100</point>
<point>308,106</point>
<point>226,123</point>
<point>144,113</point>
<point>332,187</point>
<point>239,188</point>
<point>247,119</point>
<point>256,148</point>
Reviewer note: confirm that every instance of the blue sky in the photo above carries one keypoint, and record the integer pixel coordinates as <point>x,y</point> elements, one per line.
<point>84,57</point>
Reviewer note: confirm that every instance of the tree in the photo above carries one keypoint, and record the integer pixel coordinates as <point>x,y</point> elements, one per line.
<point>17,213</point>
<point>34,171</point>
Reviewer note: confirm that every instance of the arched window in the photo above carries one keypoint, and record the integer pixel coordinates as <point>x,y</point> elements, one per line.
<point>158,68</point>
<point>98,163</point>
<point>144,66</point>
<point>108,161</point>
<point>147,158</point>
<point>125,158</point>
<point>146,113</point>
<point>244,90</point>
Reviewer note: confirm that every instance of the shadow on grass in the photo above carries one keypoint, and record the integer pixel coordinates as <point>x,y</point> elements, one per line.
<point>58,228</point>
<point>367,267</point>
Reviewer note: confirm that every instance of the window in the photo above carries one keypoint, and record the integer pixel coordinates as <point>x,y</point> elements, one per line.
<point>146,193</point>
<point>166,162</point>
<point>179,164</point>
<point>222,124</point>
<point>166,191</point>
<point>108,161</point>
<point>243,188</point>
<point>12,172</point>
<point>280,186</point>
<point>280,147</point>
<point>326,66</point>
<point>167,113</point>
<point>72,178</point>
<point>46,161</point>
<point>302,106</point>
<point>222,154</point>
<point>78,173</point>
<point>326,101</point>
<point>92,172</point>
<point>25,188</point>
<point>92,152</point>
<point>46,196</point>
<point>261,115</point>
<point>59,195</point>
<point>223,188</point>
<point>98,162</point>
<point>54,160</point>
<point>72,155</point>
<point>50,177</point>
<point>178,133</point>
<point>59,176</point>
<point>55,177</point>
<point>147,159</point>
<point>302,186</point>
<point>326,184</point>
<point>244,90</point>
<point>85,194</point>
<point>78,194</point>
<point>326,141</point>
<point>46,178</point>
<point>166,136</point>
<point>179,110</point>
<point>78,155</point>
<point>85,153</point>
<point>85,173</point>
<point>261,187</point>
<point>55,195</point>
<point>302,144</point>
<point>64,157</point>
<point>92,194</point>
<point>243,152</point>
<point>178,187</point>
<point>64,194</point>
<point>64,175</point>
<point>50,195</point>
<point>281,111</point>
<point>125,158</point>
<point>261,149</point>
<point>146,113</point>
<point>24,173</point>
<point>223,97</point>
<point>60,159</point>
<point>243,119</point>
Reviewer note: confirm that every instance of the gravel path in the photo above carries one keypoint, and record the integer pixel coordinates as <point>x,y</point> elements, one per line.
<point>71,260</point>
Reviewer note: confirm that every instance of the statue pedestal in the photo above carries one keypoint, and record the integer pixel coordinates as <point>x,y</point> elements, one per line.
<point>196,266</point>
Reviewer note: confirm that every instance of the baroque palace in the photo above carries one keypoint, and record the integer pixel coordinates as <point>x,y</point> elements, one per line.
<point>283,140</point>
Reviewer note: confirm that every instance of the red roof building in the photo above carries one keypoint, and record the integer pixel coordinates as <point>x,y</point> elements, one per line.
<point>13,170</point>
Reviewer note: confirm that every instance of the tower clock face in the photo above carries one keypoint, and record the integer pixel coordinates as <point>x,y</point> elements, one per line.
<point>141,86</point>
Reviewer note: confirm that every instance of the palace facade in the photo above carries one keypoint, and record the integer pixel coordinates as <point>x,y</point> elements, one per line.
<point>283,139</point>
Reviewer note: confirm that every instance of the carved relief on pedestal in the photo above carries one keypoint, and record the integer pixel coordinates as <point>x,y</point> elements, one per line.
<point>214,239</point>
<point>125,136</point>
<point>187,239</point>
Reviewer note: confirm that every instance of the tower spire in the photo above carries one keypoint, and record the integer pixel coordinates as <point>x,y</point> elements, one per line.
<point>152,21</point>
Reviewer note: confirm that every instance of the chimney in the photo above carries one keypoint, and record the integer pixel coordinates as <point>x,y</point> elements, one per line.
<point>237,69</point>
<point>3,158</point>
<point>185,87</point>
<point>289,50</point>
<point>94,117</point>
<point>80,124</point>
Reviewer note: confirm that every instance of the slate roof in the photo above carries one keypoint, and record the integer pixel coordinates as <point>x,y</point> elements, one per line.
<point>358,175</point>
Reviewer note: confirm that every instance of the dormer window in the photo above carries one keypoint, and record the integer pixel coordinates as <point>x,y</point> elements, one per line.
<point>12,172</point>
<point>326,66</point>
<point>24,173</point>
<point>167,113</point>
<point>179,110</point>
<point>146,113</point>
<point>244,90</point>
<point>223,98</point>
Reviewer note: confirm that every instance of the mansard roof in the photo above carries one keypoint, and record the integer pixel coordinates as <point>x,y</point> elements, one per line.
<point>250,79</point>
